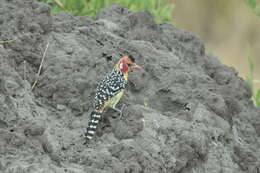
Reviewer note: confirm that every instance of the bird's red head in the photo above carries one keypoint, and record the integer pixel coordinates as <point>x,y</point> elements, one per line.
<point>127,63</point>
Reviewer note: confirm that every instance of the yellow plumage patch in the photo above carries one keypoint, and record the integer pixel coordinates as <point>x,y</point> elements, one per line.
<point>126,76</point>
<point>115,99</point>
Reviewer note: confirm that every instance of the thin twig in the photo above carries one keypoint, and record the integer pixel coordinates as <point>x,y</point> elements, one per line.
<point>8,41</point>
<point>24,70</point>
<point>58,2</point>
<point>39,70</point>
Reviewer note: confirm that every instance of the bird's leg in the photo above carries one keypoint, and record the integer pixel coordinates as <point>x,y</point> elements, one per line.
<point>121,113</point>
<point>120,110</point>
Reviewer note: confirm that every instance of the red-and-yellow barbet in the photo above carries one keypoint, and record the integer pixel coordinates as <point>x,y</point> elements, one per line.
<point>109,91</point>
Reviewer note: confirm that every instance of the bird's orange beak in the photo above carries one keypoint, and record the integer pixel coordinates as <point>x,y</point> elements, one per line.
<point>136,67</point>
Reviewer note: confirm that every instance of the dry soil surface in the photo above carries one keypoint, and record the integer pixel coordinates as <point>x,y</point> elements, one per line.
<point>186,112</point>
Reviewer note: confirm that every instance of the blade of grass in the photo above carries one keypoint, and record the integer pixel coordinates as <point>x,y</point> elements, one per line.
<point>257,98</point>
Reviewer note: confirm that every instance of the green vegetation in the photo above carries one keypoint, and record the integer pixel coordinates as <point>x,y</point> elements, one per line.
<point>255,5</point>
<point>161,9</point>
<point>250,79</point>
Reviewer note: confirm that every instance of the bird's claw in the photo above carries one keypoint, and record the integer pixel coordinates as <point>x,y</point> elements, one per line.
<point>120,110</point>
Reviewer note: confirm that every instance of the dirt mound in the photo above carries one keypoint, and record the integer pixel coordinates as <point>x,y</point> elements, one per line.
<point>185,113</point>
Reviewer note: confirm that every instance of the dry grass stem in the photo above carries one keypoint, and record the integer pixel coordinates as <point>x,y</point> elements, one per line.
<point>24,70</point>
<point>58,2</point>
<point>8,41</point>
<point>39,70</point>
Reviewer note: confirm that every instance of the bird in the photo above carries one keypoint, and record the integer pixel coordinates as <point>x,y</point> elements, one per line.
<point>110,90</point>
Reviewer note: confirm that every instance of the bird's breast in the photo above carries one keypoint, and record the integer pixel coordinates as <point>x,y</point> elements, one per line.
<point>126,76</point>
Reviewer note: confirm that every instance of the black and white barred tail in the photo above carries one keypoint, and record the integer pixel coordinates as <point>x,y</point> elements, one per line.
<point>95,117</point>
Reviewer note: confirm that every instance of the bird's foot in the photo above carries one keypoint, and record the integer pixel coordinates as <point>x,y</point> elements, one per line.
<point>120,110</point>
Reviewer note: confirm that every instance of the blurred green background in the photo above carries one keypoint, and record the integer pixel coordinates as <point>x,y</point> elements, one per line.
<point>229,28</point>
<point>161,9</point>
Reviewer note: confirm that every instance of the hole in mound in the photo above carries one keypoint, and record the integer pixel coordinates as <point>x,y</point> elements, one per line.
<point>165,101</point>
<point>109,58</point>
